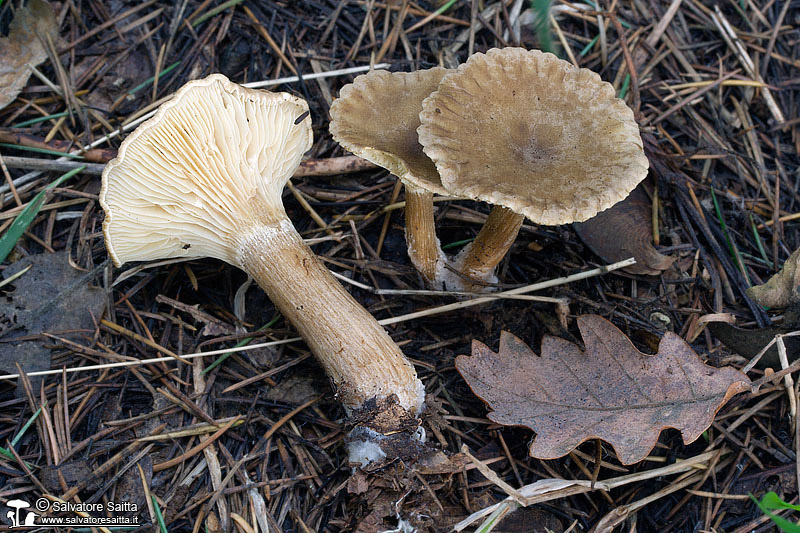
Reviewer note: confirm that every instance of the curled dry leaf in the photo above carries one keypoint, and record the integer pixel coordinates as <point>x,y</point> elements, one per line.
<point>625,230</point>
<point>750,342</point>
<point>781,289</point>
<point>610,391</point>
<point>24,47</point>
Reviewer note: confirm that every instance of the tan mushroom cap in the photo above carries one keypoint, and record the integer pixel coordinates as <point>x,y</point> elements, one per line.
<point>376,117</point>
<point>213,157</point>
<point>531,132</point>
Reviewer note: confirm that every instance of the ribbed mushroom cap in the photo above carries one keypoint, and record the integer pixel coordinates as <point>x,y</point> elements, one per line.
<point>211,163</point>
<point>531,132</point>
<point>376,117</point>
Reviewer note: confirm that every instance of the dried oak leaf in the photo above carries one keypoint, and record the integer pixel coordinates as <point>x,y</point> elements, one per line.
<point>24,47</point>
<point>611,391</point>
<point>625,230</point>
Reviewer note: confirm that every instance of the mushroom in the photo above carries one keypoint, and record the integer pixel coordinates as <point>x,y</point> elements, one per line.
<point>204,178</point>
<point>14,516</point>
<point>376,117</point>
<point>536,137</point>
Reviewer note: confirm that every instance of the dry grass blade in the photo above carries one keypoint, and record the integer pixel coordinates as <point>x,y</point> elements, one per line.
<point>550,489</point>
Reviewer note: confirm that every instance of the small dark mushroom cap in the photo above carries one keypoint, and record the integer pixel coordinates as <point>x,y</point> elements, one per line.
<point>376,117</point>
<point>533,133</point>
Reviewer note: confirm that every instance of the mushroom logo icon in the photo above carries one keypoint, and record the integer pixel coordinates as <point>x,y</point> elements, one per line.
<point>13,516</point>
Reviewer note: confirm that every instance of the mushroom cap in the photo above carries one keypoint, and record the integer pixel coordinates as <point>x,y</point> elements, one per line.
<point>17,504</point>
<point>533,133</point>
<point>212,162</point>
<point>376,117</point>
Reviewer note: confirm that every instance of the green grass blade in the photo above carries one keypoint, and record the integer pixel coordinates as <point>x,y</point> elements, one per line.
<point>456,244</point>
<point>7,454</point>
<point>624,89</point>
<point>737,259</point>
<point>40,150</point>
<point>760,245</point>
<point>10,456</point>
<point>151,79</point>
<point>19,435</point>
<point>39,119</point>
<point>24,219</point>
<point>444,8</point>
<point>30,421</point>
<point>542,10</point>
<point>219,9</point>
<point>159,517</point>
<point>589,46</point>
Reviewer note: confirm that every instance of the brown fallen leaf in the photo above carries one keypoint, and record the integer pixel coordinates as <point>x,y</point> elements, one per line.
<point>781,289</point>
<point>24,47</point>
<point>625,230</point>
<point>611,391</point>
<point>52,297</point>
<point>70,472</point>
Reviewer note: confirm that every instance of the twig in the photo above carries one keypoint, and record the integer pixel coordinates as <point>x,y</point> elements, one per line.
<point>787,379</point>
<point>749,366</point>
<point>270,41</point>
<point>253,85</point>
<point>200,447</point>
<point>692,97</point>
<point>490,474</point>
<point>551,489</point>
<point>33,163</point>
<point>385,322</point>
<point>98,155</point>
<point>728,33</point>
<point>332,166</point>
<point>520,290</point>
<point>623,512</point>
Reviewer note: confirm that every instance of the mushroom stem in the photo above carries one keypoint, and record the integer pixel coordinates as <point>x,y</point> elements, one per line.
<point>354,349</point>
<point>423,245</point>
<point>478,260</point>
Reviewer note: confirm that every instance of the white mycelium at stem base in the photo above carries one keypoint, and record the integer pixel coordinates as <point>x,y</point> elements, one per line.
<point>204,178</point>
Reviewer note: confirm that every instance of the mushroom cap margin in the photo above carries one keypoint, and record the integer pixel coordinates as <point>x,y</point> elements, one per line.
<point>376,117</point>
<point>539,127</point>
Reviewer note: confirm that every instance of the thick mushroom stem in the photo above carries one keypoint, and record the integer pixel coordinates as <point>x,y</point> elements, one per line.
<point>478,260</point>
<point>424,249</point>
<point>354,349</point>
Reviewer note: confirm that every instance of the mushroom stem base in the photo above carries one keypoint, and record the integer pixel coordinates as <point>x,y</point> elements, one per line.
<point>479,260</point>
<point>356,352</point>
<point>383,430</point>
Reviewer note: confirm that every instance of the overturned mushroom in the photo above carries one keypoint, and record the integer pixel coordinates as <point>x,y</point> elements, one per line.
<point>376,117</point>
<point>536,137</point>
<point>204,178</point>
